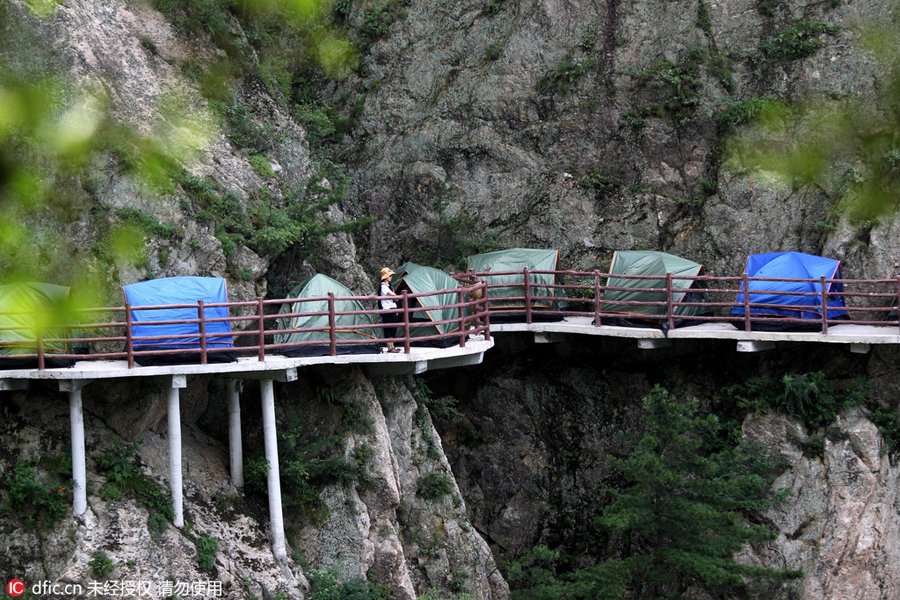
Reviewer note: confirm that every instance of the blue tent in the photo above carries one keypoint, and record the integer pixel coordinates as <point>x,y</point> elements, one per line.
<point>179,291</point>
<point>792,265</point>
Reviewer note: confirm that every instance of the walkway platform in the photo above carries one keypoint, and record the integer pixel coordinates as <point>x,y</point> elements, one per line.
<point>860,338</point>
<point>418,360</point>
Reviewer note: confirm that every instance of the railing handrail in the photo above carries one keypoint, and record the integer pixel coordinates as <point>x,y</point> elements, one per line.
<point>525,297</point>
<point>205,342</point>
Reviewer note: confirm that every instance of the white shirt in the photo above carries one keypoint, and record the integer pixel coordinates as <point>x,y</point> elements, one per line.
<point>387,300</point>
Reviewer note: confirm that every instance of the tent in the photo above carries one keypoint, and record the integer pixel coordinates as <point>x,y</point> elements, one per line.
<point>167,336</point>
<point>656,264</point>
<point>791,265</point>
<point>513,286</point>
<point>417,279</point>
<point>353,327</point>
<point>29,310</point>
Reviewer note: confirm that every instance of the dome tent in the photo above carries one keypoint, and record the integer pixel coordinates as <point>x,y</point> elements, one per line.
<point>512,286</point>
<point>28,311</point>
<point>417,279</point>
<point>777,296</point>
<point>355,327</point>
<point>655,264</point>
<point>179,291</point>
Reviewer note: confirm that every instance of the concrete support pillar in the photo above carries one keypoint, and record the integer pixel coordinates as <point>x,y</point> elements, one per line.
<point>174,435</point>
<point>76,423</point>
<point>79,471</point>
<point>233,390</point>
<point>273,480</point>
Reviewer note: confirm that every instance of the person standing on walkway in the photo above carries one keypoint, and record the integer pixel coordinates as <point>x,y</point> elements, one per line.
<point>385,293</point>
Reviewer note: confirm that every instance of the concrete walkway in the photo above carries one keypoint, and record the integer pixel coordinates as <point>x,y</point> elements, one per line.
<point>860,338</point>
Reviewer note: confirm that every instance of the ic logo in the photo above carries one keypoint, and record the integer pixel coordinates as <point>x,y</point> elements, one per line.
<point>15,587</point>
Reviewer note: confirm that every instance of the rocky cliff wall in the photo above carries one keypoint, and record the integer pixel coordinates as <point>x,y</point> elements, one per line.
<point>592,126</point>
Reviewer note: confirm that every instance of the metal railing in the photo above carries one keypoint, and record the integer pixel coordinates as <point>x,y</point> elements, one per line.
<point>545,295</point>
<point>525,296</point>
<point>109,332</point>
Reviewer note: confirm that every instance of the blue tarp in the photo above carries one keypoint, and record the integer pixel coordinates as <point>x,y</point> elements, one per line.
<point>792,265</point>
<point>178,290</point>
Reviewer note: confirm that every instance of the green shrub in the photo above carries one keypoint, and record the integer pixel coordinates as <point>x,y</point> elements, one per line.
<point>493,52</point>
<point>119,464</point>
<point>798,41</point>
<point>888,422</point>
<point>151,225</point>
<point>738,112</point>
<point>672,88</point>
<point>206,547</point>
<point>247,132</point>
<point>262,166</point>
<point>156,525</point>
<point>434,486</point>
<point>809,398</point>
<point>317,120</point>
<point>35,497</point>
<point>101,565</point>
<point>325,585</point>
<point>565,75</point>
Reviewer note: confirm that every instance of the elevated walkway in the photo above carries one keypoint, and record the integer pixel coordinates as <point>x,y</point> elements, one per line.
<point>871,313</point>
<point>859,338</point>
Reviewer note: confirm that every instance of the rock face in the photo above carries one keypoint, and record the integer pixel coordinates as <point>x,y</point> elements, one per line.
<point>591,127</point>
<point>387,527</point>
<point>841,520</point>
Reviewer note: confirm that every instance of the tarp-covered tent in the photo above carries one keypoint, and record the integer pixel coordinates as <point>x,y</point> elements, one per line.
<point>513,285</point>
<point>655,264</point>
<point>356,327</point>
<point>29,310</point>
<point>418,279</point>
<point>791,265</point>
<point>179,291</point>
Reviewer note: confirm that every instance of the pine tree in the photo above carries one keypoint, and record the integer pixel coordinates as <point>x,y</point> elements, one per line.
<point>682,515</point>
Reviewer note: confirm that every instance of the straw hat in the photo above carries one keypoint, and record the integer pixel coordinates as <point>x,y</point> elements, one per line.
<point>386,272</point>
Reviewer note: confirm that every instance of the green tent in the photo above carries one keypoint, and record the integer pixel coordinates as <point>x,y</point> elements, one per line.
<point>417,279</point>
<point>354,327</point>
<point>29,310</point>
<point>517,259</point>
<point>651,263</point>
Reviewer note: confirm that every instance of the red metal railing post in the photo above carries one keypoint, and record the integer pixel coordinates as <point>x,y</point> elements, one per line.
<point>598,303</point>
<point>670,302</point>
<point>526,272</point>
<point>129,337</point>
<point>824,307</point>
<point>483,308</point>
<point>261,330</point>
<point>406,322</point>
<point>202,325</point>
<point>332,325</point>
<point>460,299</point>
<point>898,302</point>
<point>40,348</point>
<point>746,302</point>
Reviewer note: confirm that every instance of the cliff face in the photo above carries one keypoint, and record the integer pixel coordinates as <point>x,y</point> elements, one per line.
<point>586,126</point>
<point>549,416</point>
<point>592,126</point>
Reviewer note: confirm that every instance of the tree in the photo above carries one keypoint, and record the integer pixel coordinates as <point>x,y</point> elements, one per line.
<point>682,514</point>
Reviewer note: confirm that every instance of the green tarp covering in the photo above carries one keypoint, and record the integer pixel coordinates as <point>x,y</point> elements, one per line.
<point>649,263</point>
<point>320,286</point>
<point>418,279</point>
<point>517,259</point>
<point>29,309</point>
